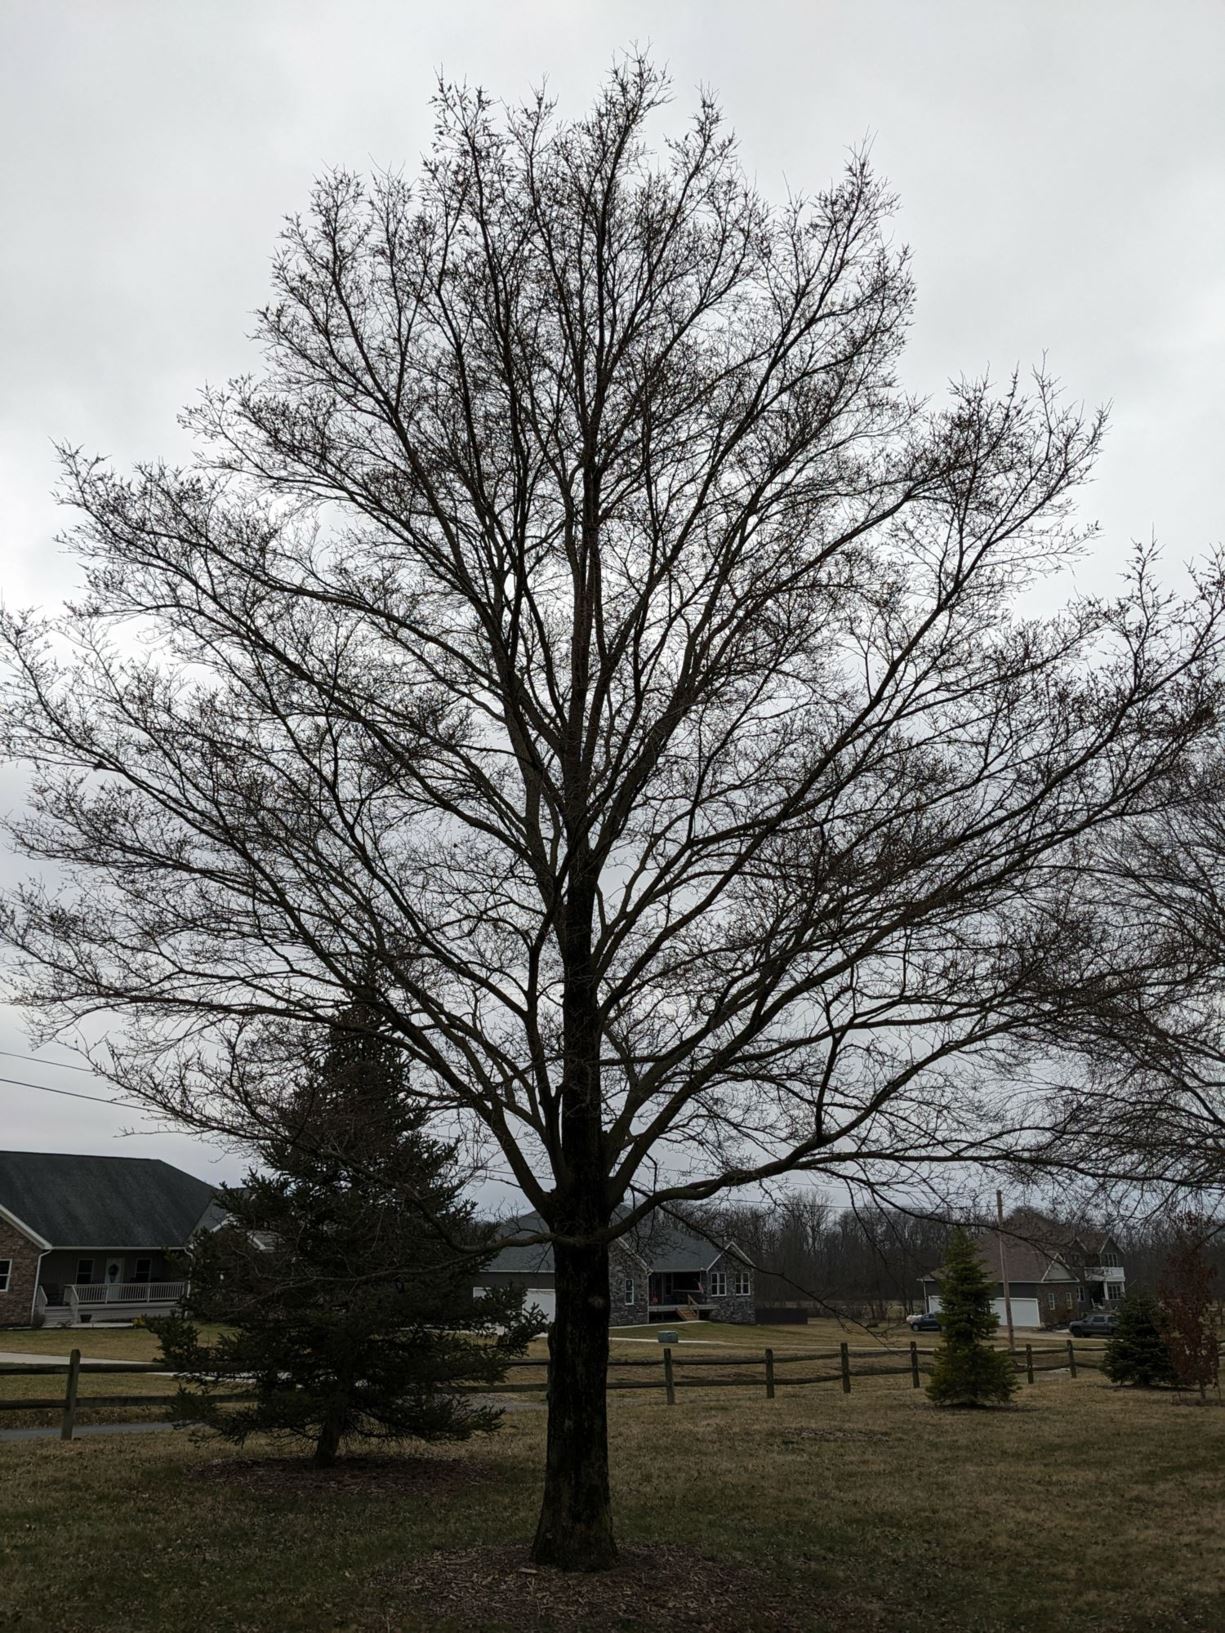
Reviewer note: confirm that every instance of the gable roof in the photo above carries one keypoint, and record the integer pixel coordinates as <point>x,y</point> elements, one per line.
<point>1026,1259</point>
<point>661,1243</point>
<point>111,1202</point>
<point>1088,1244</point>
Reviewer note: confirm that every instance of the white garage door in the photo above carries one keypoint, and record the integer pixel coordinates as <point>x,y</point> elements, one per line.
<point>543,1298</point>
<point>1024,1312</point>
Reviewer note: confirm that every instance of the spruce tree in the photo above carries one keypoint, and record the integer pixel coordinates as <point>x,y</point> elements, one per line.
<point>1137,1352</point>
<point>347,1311</point>
<point>968,1371</point>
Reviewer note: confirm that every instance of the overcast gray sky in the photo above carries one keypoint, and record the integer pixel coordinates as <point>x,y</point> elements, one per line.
<point>1060,163</point>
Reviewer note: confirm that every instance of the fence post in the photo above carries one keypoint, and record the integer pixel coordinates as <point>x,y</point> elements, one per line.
<point>70,1395</point>
<point>669,1383</point>
<point>914,1364</point>
<point>769,1374</point>
<point>1029,1363</point>
<point>1071,1358</point>
<point>846,1368</point>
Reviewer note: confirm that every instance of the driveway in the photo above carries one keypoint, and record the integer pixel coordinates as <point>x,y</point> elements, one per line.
<point>22,1358</point>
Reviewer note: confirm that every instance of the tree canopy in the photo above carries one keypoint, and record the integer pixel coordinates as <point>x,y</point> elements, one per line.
<point>577,622</point>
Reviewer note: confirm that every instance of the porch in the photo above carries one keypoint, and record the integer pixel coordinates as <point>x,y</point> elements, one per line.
<point>1103,1286</point>
<point>678,1295</point>
<point>78,1306</point>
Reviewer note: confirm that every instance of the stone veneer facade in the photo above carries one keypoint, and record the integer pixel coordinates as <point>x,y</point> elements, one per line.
<point>624,1264</point>
<point>729,1306</point>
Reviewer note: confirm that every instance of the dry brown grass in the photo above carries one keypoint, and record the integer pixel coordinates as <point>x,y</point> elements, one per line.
<point>1081,1506</point>
<point>101,1343</point>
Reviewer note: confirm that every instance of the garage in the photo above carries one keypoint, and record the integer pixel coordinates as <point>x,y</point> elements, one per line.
<point>543,1298</point>
<point>1024,1312</point>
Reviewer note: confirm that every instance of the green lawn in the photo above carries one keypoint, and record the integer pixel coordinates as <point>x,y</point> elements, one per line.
<point>1082,1506</point>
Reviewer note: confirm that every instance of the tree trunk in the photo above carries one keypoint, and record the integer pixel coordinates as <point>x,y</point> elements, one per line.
<point>575,1528</point>
<point>575,1531</point>
<point>328,1443</point>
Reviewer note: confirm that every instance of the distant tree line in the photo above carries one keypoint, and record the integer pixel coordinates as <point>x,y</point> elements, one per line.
<point>865,1263</point>
<point>1148,1246</point>
<point>862,1262</point>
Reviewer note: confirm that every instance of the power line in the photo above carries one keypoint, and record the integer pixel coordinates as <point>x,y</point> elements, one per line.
<point>58,1065</point>
<point>71,1094</point>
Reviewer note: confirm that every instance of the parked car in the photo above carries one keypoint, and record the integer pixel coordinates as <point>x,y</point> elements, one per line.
<point>1097,1325</point>
<point>924,1323</point>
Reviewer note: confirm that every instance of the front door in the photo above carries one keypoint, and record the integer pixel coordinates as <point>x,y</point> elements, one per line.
<point>114,1273</point>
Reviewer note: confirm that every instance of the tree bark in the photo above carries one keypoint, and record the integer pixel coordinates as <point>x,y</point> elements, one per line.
<point>575,1530</point>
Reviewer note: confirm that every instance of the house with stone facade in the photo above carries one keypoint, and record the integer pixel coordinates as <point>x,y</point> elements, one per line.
<point>92,1239</point>
<point>659,1271</point>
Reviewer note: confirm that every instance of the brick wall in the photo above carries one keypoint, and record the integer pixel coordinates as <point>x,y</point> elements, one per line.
<point>15,1304</point>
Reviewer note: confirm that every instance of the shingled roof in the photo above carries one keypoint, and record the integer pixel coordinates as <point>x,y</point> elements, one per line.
<point>113,1202</point>
<point>662,1243</point>
<point>1031,1251</point>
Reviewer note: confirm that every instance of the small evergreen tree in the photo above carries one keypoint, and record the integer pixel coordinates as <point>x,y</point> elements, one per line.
<point>348,1311</point>
<point>1136,1352</point>
<point>1189,1318</point>
<point>968,1370</point>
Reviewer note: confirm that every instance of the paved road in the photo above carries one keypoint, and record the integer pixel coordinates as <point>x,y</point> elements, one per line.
<point>91,1429</point>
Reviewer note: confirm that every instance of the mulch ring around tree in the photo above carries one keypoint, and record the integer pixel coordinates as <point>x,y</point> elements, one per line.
<point>348,1476</point>
<point>659,1587</point>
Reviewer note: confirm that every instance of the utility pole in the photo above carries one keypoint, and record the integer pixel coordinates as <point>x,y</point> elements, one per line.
<point>999,1220</point>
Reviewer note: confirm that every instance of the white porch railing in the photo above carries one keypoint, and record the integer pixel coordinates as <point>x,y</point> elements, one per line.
<point>125,1292</point>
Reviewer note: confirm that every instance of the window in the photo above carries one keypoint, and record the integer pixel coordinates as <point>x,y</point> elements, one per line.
<point>718,1283</point>
<point>629,1289</point>
<point>1052,1301</point>
<point>743,1283</point>
<point>6,1271</point>
<point>85,1272</point>
<point>143,1270</point>
<point>1114,1291</point>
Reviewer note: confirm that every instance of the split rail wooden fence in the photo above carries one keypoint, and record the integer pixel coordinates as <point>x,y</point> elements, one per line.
<point>72,1401</point>
<point>770,1370</point>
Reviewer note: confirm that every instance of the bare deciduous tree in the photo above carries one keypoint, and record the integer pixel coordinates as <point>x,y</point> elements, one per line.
<point>578,624</point>
<point>1191,1318</point>
<point>1144,1102</point>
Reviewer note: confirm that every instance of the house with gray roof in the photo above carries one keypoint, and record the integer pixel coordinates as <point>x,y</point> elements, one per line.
<point>660,1270</point>
<point>92,1239</point>
<point>1054,1273</point>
